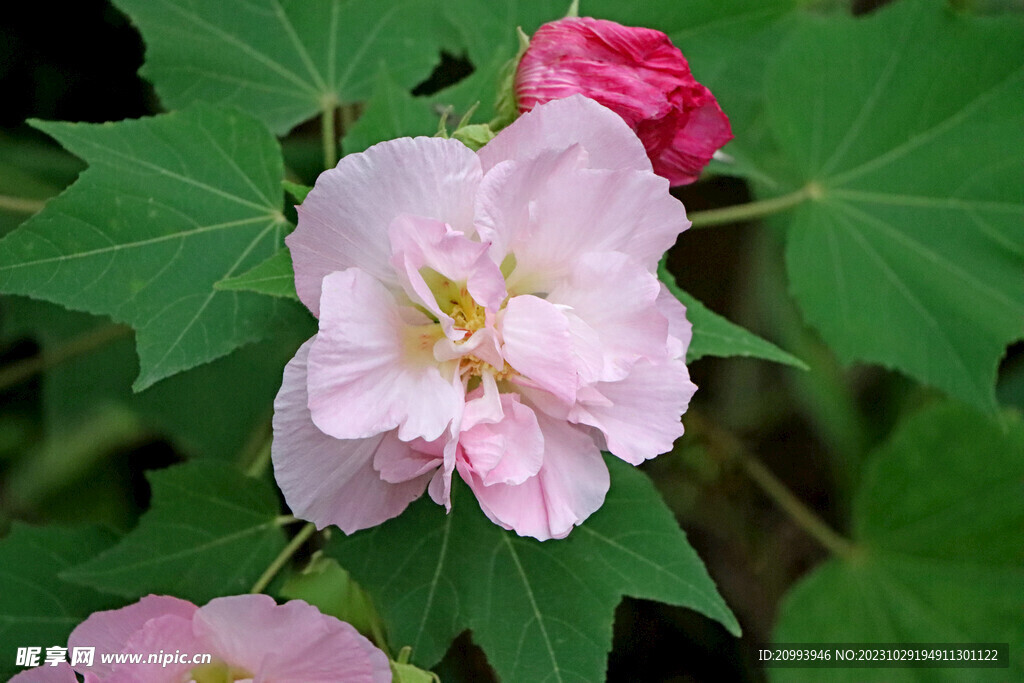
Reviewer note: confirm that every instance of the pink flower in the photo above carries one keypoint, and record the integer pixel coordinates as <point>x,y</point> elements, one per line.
<point>494,314</point>
<point>637,73</point>
<point>250,638</point>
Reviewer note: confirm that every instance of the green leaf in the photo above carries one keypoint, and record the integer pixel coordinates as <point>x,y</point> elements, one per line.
<point>37,608</point>
<point>296,190</point>
<point>910,249</point>
<point>208,411</point>
<point>281,60</point>
<point>30,173</point>
<point>940,522</point>
<point>168,206</point>
<point>210,531</point>
<point>274,277</point>
<point>713,335</point>
<point>331,589</point>
<point>541,611</point>
<point>392,112</point>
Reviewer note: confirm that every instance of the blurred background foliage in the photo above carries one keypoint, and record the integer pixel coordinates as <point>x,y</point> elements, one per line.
<point>859,445</point>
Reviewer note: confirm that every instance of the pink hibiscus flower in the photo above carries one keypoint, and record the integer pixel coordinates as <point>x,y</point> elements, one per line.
<point>637,73</point>
<point>494,314</point>
<point>251,638</point>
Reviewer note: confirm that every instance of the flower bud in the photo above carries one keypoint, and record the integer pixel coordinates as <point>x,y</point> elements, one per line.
<point>637,73</point>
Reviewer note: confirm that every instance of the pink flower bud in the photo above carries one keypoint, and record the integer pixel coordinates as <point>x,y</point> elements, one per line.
<point>637,73</point>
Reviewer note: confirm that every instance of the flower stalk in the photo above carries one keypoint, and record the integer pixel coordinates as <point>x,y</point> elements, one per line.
<point>730,447</point>
<point>21,204</point>
<point>282,558</point>
<point>751,210</point>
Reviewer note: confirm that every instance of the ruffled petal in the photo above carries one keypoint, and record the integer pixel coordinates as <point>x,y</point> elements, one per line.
<point>328,480</point>
<point>706,130</point>
<point>549,215</point>
<point>110,630</point>
<point>538,345</point>
<point>607,139</point>
<point>503,449</point>
<point>344,220</point>
<point>680,330</point>
<point>615,297</point>
<point>169,633</point>
<point>291,643</point>
<point>420,243</point>
<point>370,371</point>
<point>642,419</point>
<point>569,487</point>
<point>62,673</point>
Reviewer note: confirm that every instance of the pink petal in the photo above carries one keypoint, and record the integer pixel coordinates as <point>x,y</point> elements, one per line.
<point>706,130</point>
<point>62,673</point>
<point>608,141</point>
<point>344,221</point>
<point>506,450</point>
<point>504,203</point>
<point>420,243</point>
<point>110,630</point>
<point>328,480</point>
<point>637,73</point>
<point>370,371</point>
<point>399,461</point>
<point>290,643</point>
<point>549,215</point>
<point>538,345</point>
<point>169,634</point>
<point>615,297</point>
<point>569,487</point>
<point>642,420</point>
<point>630,70</point>
<point>680,330</point>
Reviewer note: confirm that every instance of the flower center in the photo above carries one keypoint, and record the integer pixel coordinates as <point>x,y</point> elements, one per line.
<point>218,672</point>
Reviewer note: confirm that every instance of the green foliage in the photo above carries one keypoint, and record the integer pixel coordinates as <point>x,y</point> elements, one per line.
<point>541,611</point>
<point>274,277</point>
<point>30,173</point>
<point>392,112</point>
<point>169,206</point>
<point>281,61</point>
<point>909,252</point>
<point>210,531</point>
<point>37,608</point>
<point>713,335</point>
<point>939,521</point>
<point>331,589</point>
<point>209,411</point>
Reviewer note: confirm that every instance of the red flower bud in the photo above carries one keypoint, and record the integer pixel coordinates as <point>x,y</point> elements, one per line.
<point>637,73</point>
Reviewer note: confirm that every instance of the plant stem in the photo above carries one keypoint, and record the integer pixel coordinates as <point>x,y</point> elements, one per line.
<point>262,459</point>
<point>21,204</point>
<point>21,370</point>
<point>832,540</point>
<point>744,212</point>
<point>330,137</point>
<point>805,518</point>
<point>282,558</point>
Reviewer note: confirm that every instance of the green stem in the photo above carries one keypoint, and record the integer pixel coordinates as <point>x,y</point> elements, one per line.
<point>805,518</point>
<point>745,212</point>
<point>21,370</point>
<point>349,114</point>
<point>261,461</point>
<point>727,444</point>
<point>282,558</point>
<point>21,204</point>
<point>330,137</point>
